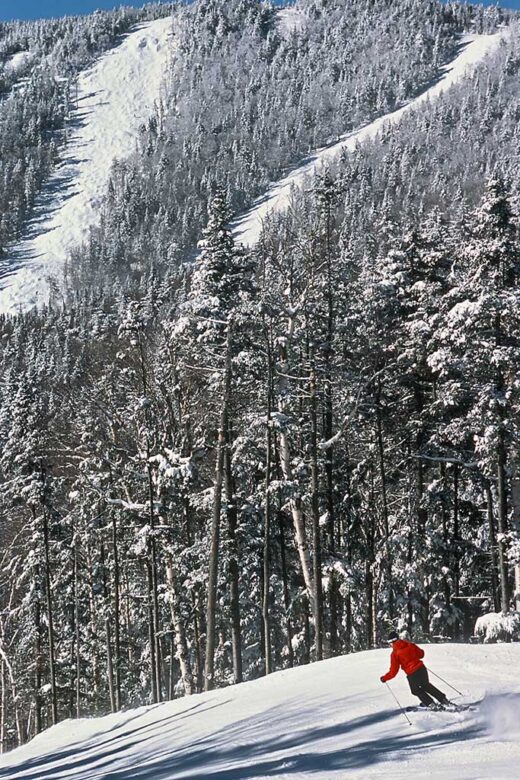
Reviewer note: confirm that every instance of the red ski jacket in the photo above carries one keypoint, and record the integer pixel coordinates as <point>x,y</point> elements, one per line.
<point>405,656</point>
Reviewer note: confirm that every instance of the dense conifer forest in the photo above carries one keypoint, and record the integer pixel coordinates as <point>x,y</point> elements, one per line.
<point>218,462</point>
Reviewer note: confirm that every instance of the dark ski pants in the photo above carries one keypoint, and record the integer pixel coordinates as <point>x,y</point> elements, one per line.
<point>421,686</point>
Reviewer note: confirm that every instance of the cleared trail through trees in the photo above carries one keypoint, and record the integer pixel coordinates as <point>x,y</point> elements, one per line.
<point>473,49</point>
<point>115,97</point>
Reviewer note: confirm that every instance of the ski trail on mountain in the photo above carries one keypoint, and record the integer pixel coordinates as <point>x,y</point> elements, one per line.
<point>116,95</point>
<point>248,227</point>
<point>331,720</point>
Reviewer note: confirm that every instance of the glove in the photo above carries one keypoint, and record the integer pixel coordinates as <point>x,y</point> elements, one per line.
<point>382,679</point>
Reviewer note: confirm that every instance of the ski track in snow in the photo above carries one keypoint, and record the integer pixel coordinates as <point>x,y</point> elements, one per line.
<point>116,96</point>
<point>327,721</point>
<point>248,227</point>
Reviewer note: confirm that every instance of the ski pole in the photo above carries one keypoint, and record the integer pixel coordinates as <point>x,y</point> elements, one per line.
<point>445,682</point>
<point>397,700</point>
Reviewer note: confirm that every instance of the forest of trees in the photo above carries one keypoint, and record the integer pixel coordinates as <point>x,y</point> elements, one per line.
<point>214,468</point>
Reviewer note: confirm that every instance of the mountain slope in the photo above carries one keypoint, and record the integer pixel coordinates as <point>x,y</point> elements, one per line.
<point>327,720</point>
<point>474,48</point>
<point>115,97</point>
<point>129,79</point>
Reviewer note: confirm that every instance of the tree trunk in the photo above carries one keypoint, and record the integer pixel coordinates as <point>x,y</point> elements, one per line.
<point>151,631</point>
<point>153,597</point>
<point>198,617</point>
<point>156,641</point>
<point>422,519</point>
<point>209,670</point>
<point>384,498</point>
<point>171,668</point>
<point>117,616</point>
<point>334,594</point>
<point>286,597</point>
<point>180,633</point>
<point>77,630</point>
<point>3,707</point>
<point>6,666</point>
<point>371,580</point>
<point>306,632</point>
<point>515,500</point>
<point>128,622</point>
<point>445,562</point>
<point>267,519</point>
<point>37,660</point>
<point>234,593</point>
<point>502,527</point>
<point>110,664</point>
<point>93,617</point>
<point>409,559</point>
<point>492,547</point>
<point>316,534</point>
<point>369,596</point>
<point>108,632</point>
<point>50,619</point>
<point>295,501</point>
<point>346,542</point>
<point>456,542</point>
<point>194,594</point>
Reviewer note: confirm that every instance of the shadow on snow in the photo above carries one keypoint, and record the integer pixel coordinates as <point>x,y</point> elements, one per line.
<point>241,752</point>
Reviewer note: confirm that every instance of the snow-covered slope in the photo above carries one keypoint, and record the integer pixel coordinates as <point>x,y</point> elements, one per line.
<point>473,49</point>
<point>290,19</point>
<point>18,61</point>
<point>324,721</point>
<point>115,96</point>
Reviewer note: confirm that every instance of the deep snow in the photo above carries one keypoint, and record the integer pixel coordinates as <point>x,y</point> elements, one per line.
<point>115,96</point>
<point>474,48</point>
<point>325,721</point>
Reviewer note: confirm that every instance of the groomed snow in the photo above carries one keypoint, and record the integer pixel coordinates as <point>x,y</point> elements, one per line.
<point>326,721</point>
<point>115,96</point>
<point>474,48</point>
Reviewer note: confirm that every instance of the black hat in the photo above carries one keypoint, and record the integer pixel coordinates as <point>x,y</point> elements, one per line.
<point>393,636</point>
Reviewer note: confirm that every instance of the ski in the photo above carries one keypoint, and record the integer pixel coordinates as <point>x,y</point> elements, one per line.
<point>461,708</point>
<point>443,708</point>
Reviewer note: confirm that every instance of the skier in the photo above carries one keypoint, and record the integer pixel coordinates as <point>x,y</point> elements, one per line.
<point>407,656</point>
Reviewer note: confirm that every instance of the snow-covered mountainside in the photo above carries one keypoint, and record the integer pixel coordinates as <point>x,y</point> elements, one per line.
<point>328,720</point>
<point>115,97</point>
<point>473,50</point>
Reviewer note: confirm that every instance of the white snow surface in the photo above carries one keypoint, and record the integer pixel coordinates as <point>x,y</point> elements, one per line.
<point>116,95</point>
<point>18,61</point>
<point>473,49</point>
<point>290,19</point>
<point>495,626</point>
<point>325,721</point>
